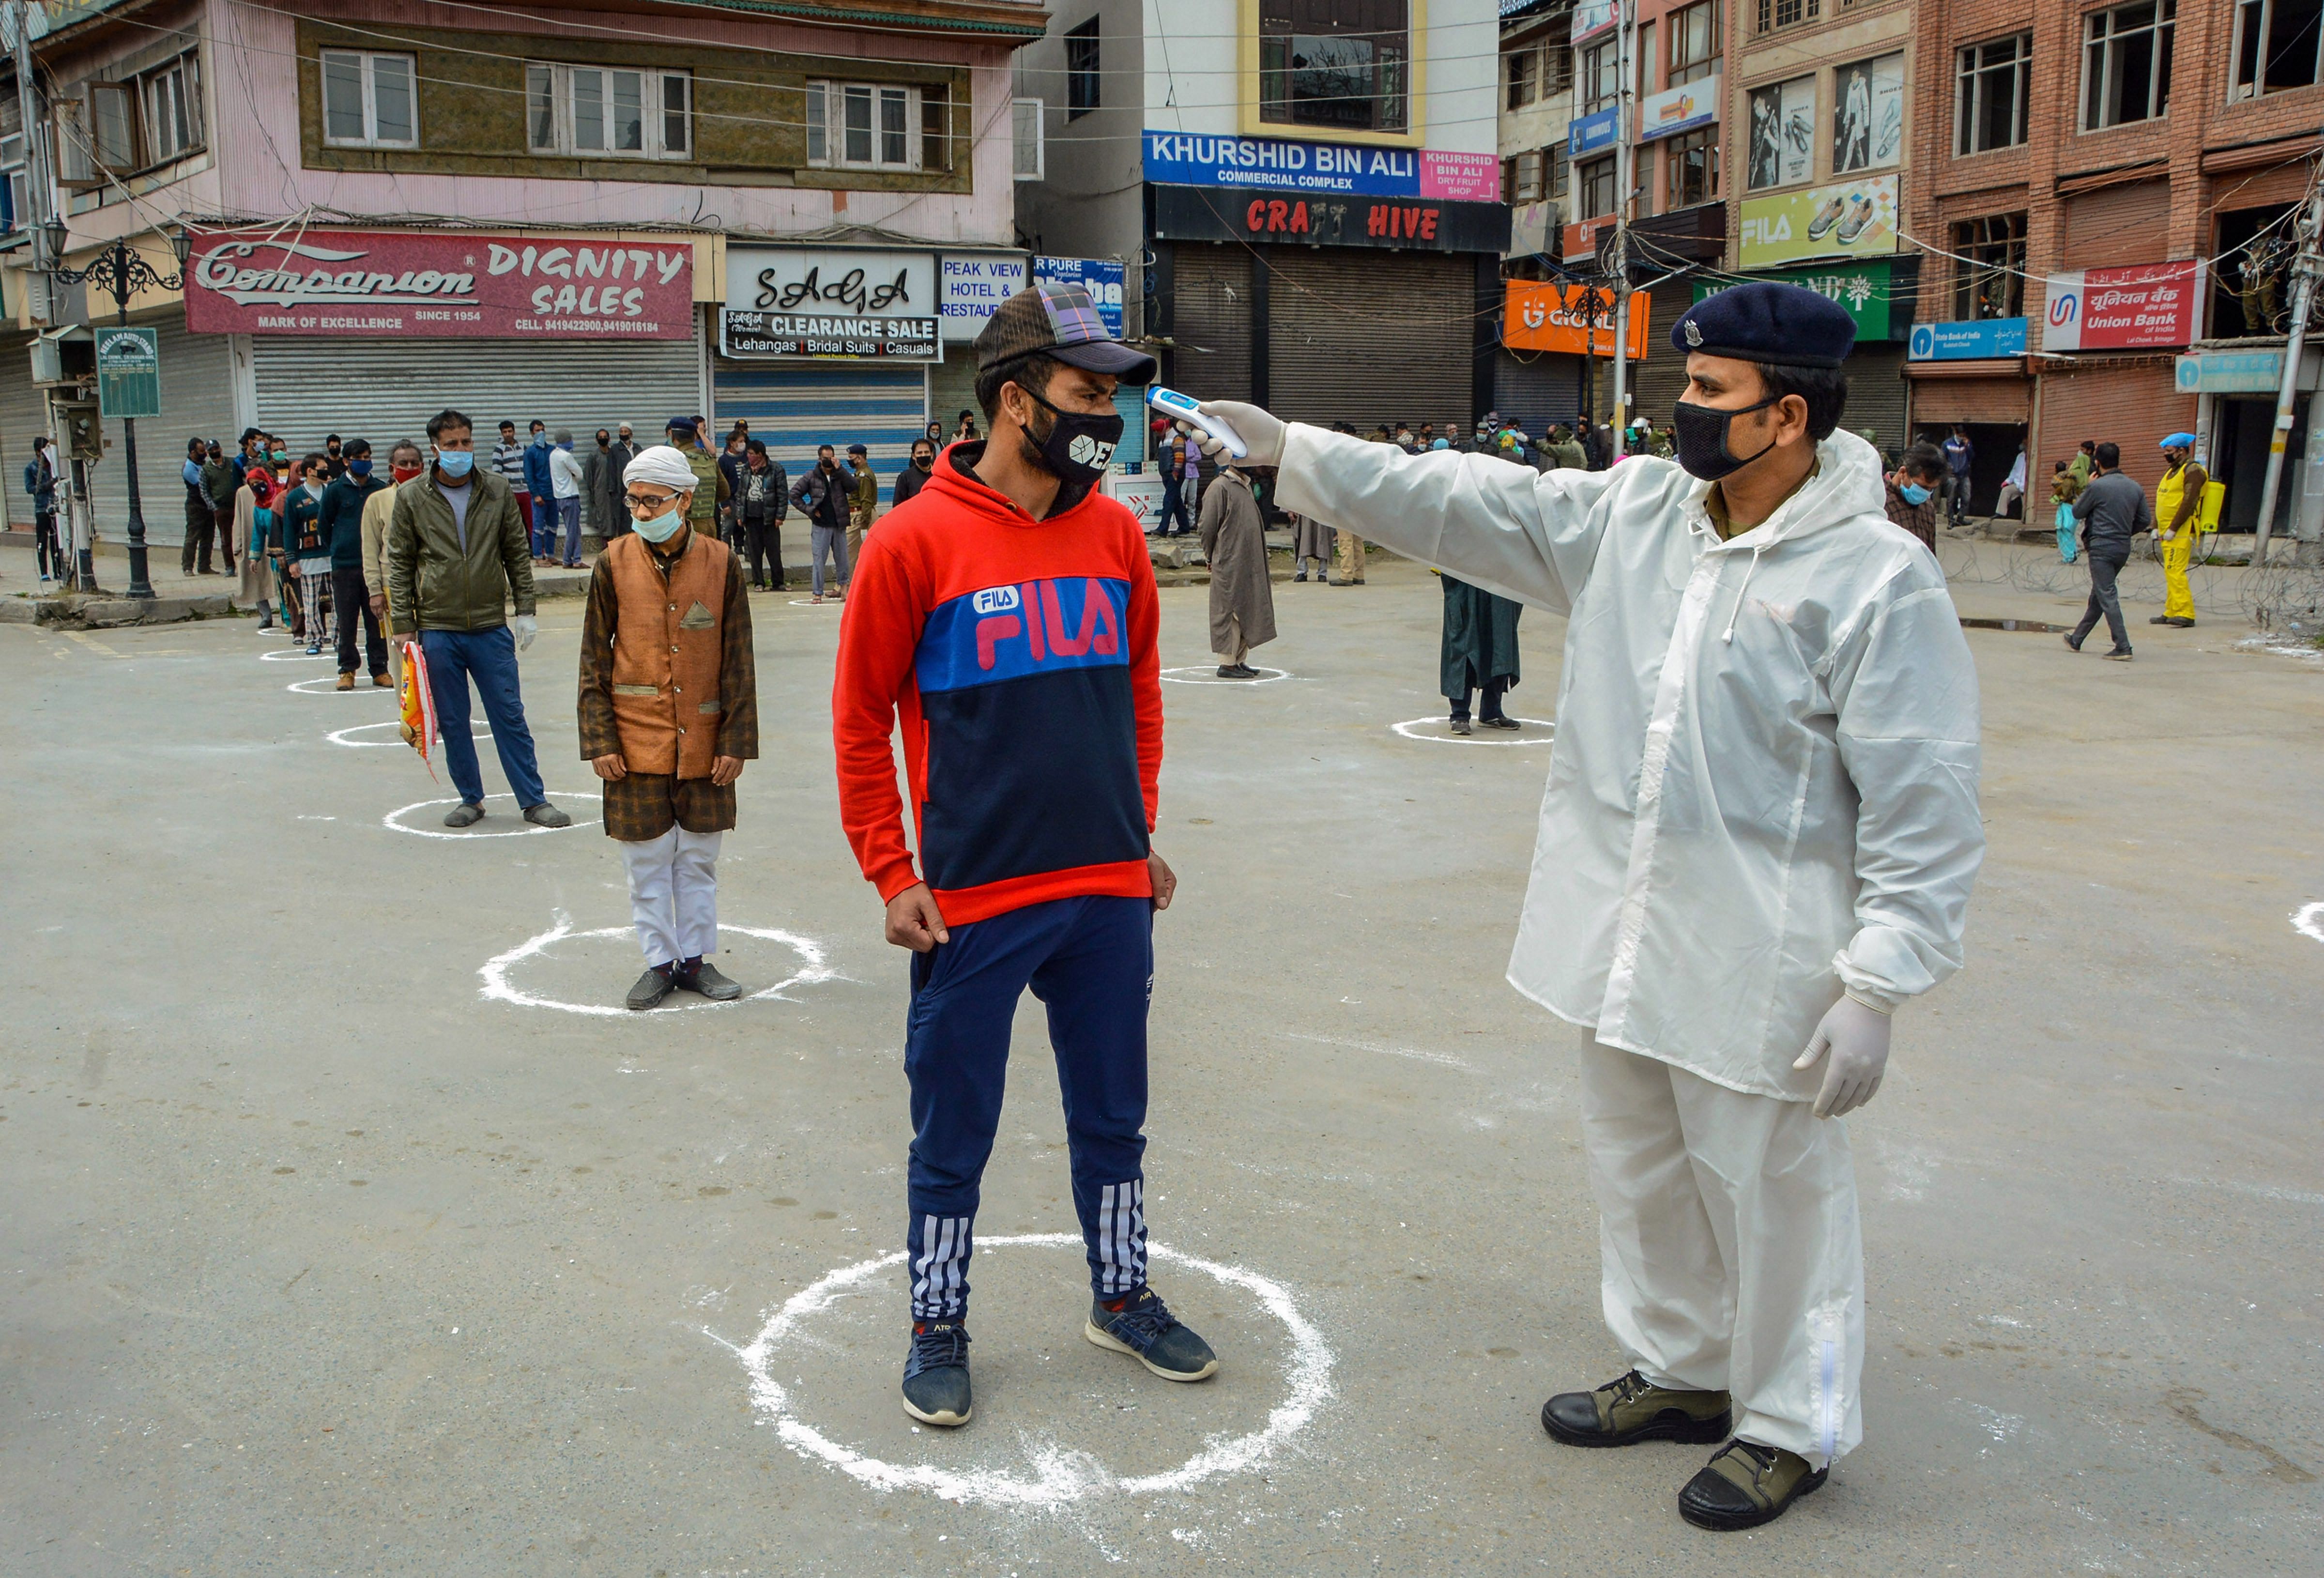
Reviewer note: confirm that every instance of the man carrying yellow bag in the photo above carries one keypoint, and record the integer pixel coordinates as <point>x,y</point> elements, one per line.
<point>2186,506</point>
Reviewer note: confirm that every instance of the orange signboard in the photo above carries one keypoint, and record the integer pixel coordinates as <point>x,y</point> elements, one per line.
<point>1537,316</point>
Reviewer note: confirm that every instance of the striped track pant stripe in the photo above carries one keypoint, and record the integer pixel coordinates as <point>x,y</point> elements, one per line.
<point>1121,1238</point>
<point>938,1253</point>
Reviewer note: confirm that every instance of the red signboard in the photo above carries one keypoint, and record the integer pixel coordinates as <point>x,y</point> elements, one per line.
<point>2108,309</point>
<point>445,284</point>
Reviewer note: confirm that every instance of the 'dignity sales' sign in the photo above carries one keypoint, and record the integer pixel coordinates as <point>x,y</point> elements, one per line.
<point>361,283</point>
<point>2106,309</point>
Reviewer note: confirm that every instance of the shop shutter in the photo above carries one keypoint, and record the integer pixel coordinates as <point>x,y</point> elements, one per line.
<point>1365,336</point>
<point>1657,381</point>
<point>795,406</point>
<point>23,416</point>
<point>1940,402</point>
<point>2131,403</point>
<point>1536,390</point>
<point>2117,225</point>
<point>952,388</point>
<point>1875,396</point>
<point>386,390</point>
<point>197,400</point>
<point>1210,322</point>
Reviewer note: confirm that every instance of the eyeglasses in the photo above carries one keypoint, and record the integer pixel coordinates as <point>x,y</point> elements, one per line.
<point>637,502</point>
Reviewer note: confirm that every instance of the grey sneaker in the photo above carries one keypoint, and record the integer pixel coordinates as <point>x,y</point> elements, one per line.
<point>652,988</point>
<point>464,814</point>
<point>936,1374</point>
<point>707,980</point>
<point>1145,1329</point>
<point>545,815</point>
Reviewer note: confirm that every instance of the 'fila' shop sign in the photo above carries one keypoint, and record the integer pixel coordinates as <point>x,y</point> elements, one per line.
<point>1195,214</point>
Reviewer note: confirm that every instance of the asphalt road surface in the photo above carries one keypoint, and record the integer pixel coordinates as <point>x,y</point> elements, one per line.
<point>352,1227</point>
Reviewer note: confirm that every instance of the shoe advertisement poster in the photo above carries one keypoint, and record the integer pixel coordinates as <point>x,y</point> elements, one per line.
<point>1854,218</point>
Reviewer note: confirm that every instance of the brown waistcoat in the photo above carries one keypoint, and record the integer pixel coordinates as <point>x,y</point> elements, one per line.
<point>668,642</point>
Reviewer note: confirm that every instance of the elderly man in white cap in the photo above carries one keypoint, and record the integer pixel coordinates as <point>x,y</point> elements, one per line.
<point>669,712</point>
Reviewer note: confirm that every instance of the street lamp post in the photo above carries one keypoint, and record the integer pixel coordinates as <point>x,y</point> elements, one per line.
<point>121,272</point>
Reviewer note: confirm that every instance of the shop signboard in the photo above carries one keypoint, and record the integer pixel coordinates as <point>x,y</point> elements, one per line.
<point>1680,109</point>
<point>1577,242</point>
<point>1573,319</point>
<point>1862,288</point>
<point>1967,340</point>
<point>1189,214</point>
<point>1589,134</point>
<point>971,288</point>
<point>1351,170</point>
<point>1850,218</point>
<point>2111,309</point>
<point>831,304</point>
<point>1141,493</point>
<point>2254,371</point>
<point>1099,276</point>
<point>1593,17</point>
<point>129,371</point>
<point>440,285</point>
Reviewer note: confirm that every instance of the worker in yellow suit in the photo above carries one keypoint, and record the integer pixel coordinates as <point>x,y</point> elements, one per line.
<point>2186,505</point>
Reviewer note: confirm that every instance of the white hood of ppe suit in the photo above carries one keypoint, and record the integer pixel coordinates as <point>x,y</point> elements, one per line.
<point>1764,788</point>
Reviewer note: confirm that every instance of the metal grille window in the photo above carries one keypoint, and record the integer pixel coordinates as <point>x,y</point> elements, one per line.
<point>2276,45</point>
<point>1776,14</point>
<point>1691,169</point>
<point>1601,77</point>
<point>1990,267</point>
<point>367,100</point>
<point>1082,74</point>
<point>2127,63</point>
<point>1696,39</point>
<point>865,125</point>
<point>1991,99</point>
<point>602,113</point>
<point>1598,188</point>
<point>1338,63</point>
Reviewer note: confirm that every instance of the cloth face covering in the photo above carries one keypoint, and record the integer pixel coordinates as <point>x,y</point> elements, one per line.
<point>1702,438</point>
<point>1076,447</point>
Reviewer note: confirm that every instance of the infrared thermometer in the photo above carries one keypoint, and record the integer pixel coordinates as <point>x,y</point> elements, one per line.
<point>1181,408</point>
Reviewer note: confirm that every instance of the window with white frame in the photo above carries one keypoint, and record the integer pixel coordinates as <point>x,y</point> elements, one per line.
<point>16,179</point>
<point>170,108</point>
<point>2127,63</point>
<point>865,125</point>
<point>368,100</point>
<point>1027,161</point>
<point>604,112</point>
<point>2276,45</point>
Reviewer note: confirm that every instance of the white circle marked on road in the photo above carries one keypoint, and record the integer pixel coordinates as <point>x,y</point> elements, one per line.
<point>2308,920</point>
<point>342,736</point>
<point>296,655</point>
<point>811,603</point>
<point>497,987</point>
<point>327,684</point>
<point>1412,729</point>
<point>1197,674</point>
<point>1060,1476</point>
<point>391,822</point>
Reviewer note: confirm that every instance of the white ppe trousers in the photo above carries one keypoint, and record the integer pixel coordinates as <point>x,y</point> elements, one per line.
<point>674,893</point>
<point>1731,1256</point>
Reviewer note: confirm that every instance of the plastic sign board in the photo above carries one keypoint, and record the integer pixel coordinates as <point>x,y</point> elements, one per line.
<point>972,287</point>
<point>1966,340</point>
<point>129,371</point>
<point>1679,109</point>
<point>1279,163</point>
<point>1593,17</point>
<point>2257,372</point>
<point>1852,218</point>
<point>2108,309</point>
<point>1099,276</point>
<point>825,303</point>
<point>1861,288</point>
<point>1589,134</point>
<point>1573,319</point>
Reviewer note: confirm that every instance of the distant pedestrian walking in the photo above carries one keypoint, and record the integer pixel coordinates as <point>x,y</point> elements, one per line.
<point>2112,511</point>
<point>2183,511</point>
<point>1243,603</point>
<point>2065,487</point>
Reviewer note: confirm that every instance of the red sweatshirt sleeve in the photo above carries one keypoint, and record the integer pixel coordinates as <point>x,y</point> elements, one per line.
<point>878,635</point>
<point>1145,672</point>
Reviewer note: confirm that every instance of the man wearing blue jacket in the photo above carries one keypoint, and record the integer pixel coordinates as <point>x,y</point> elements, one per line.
<point>541,485</point>
<point>340,515</point>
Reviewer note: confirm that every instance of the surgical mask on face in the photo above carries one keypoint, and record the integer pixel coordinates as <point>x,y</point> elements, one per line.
<point>1913,492</point>
<point>662,528</point>
<point>1702,438</point>
<point>279,456</point>
<point>359,468</point>
<point>455,462</point>
<point>1077,446</point>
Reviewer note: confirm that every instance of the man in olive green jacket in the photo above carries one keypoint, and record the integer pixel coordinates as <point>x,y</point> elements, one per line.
<point>457,551</point>
<point>710,489</point>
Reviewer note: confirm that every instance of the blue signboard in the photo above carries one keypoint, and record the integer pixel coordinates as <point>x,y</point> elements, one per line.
<point>1184,159</point>
<point>1590,133</point>
<point>1101,277</point>
<point>1967,340</point>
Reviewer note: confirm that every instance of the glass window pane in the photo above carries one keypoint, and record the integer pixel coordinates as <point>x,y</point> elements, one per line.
<point>588,109</point>
<point>858,126</point>
<point>391,97</point>
<point>629,112</point>
<point>343,106</point>
<point>932,117</point>
<point>894,144</point>
<point>676,136</point>
<point>540,107</point>
<point>818,144</point>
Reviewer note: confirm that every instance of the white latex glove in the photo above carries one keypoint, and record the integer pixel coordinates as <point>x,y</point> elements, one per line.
<point>526,627</point>
<point>1256,426</point>
<point>1856,1040</point>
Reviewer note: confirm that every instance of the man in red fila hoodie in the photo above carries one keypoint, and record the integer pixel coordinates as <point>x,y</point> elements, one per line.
<point>1006,617</point>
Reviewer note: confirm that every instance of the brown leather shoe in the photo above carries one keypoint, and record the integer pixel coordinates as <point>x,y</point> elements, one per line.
<point>347,682</point>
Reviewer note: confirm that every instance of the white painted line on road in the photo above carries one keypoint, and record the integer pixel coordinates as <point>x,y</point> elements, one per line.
<point>340,736</point>
<point>330,683</point>
<point>1062,1474</point>
<point>2308,920</point>
<point>811,969</point>
<point>2257,1191</point>
<point>1197,674</point>
<point>297,655</point>
<point>526,831</point>
<point>1444,1059</point>
<point>1410,729</point>
<point>811,603</point>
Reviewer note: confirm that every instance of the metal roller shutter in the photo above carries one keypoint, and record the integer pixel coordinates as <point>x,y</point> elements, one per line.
<point>1210,322</point>
<point>1660,379</point>
<point>2132,403</point>
<point>386,390</point>
<point>23,416</point>
<point>197,400</point>
<point>2115,227</point>
<point>1364,337</point>
<point>1940,401</point>
<point>795,406</point>
<point>1875,396</point>
<point>1535,389</point>
<point>952,388</point>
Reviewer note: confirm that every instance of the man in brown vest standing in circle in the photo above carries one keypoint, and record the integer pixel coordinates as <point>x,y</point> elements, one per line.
<point>669,712</point>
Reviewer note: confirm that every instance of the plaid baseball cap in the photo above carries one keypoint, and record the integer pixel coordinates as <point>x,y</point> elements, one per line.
<point>1062,321</point>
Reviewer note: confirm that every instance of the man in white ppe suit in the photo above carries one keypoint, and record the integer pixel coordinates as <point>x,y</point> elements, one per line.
<point>1758,842</point>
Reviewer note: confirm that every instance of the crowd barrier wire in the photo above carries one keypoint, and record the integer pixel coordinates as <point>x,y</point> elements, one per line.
<point>2282,597</point>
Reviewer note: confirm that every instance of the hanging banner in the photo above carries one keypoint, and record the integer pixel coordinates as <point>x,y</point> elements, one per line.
<point>2109,310</point>
<point>1574,319</point>
<point>1184,159</point>
<point>1855,218</point>
<point>435,284</point>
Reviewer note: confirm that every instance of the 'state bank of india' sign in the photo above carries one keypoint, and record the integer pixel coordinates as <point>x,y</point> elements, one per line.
<point>440,285</point>
<point>822,304</point>
<point>1189,214</point>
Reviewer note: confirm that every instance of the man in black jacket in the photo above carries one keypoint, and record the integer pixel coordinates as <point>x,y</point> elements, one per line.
<point>341,517</point>
<point>2111,512</point>
<point>909,480</point>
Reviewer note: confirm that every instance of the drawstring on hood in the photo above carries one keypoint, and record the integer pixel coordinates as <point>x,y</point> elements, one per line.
<point>1736,612</point>
<point>1847,483</point>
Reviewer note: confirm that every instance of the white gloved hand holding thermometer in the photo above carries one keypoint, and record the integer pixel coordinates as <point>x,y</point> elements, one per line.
<point>1260,432</point>
<point>1853,1039</point>
<point>525,626</point>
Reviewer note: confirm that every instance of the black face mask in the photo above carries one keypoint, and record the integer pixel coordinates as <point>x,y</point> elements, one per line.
<point>1702,438</point>
<point>925,462</point>
<point>1076,448</point>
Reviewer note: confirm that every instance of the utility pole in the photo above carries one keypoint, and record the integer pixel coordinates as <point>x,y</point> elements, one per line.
<point>1623,164</point>
<point>2303,294</point>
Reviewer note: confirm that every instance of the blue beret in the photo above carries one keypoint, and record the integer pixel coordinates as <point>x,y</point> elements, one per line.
<point>684,423</point>
<point>2179,441</point>
<point>1767,321</point>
